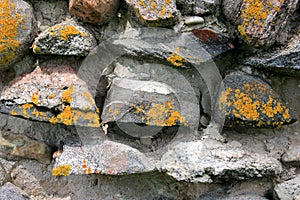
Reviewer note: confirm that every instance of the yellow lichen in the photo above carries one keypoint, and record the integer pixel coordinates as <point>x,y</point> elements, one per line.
<point>61,170</point>
<point>25,107</point>
<point>13,112</point>
<point>254,14</point>
<point>35,98</point>
<point>36,49</point>
<point>51,96</point>
<point>176,60</point>
<point>10,22</point>
<point>67,95</point>
<point>65,31</point>
<point>66,116</point>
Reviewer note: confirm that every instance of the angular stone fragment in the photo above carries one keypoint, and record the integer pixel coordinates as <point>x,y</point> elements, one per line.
<point>247,100</point>
<point>288,190</point>
<point>23,147</point>
<point>154,12</point>
<point>16,31</point>
<point>65,38</point>
<point>259,23</point>
<point>292,155</point>
<point>51,94</point>
<point>285,60</point>
<point>107,157</point>
<point>9,191</point>
<point>94,11</point>
<point>211,161</point>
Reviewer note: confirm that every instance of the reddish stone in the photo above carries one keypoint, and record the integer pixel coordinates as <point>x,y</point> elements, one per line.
<point>93,11</point>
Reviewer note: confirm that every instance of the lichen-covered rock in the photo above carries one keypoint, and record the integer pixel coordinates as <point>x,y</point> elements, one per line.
<point>16,30</point>
<point>285,60</point>
<point>20,146</point>
<point>288,190</point>
<point>209,160</point>
<point>94,11</point>
<point>51,94</point>
<point>154,12</point>
<point>259,22</point>
<point>292,155</point>
<point>247,100</point>
<point>107,157</point>
<point>9,191</point>
<point>65,38</point>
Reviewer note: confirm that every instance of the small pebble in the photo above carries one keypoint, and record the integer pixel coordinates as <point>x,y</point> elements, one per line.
<point>194,20</point>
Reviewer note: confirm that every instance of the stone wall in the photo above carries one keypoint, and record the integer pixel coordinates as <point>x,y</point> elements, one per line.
<point>153,99</point>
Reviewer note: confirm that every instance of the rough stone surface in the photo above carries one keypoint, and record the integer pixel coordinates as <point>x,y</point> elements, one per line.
<point>259,23</point>
<point>94,11</point>
<point>54,94</point>
<point>247,100</point>
<point>23,147</point>
<point>105,158</point>
<point>16,31</point>
<point>196,7</point>
<point>209,160</point>
<point>246,196</point>
<point>3,175</point>
<point>283,60</point>
<point>8,192</point>
<point>154,12</point>
<point>292,155</point>
<point>65,38</point>
<point>289,189</point>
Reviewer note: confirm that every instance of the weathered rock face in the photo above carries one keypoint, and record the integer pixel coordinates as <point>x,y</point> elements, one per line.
<point>64,39</point>
<point>194,7</point>
<point>204,161</point>
<point>3,175</point>
<point>289,189</point>
<point>258,22</point>
<point>109,158</point>
<point>20,146</point>
<point>10,191</point>
<point>94,11</point>
<point>282,60</point>
<point>16,31</point>
<point>247,100</point>
<point>292,155</point>
<point>154,12</point>
<point>53,94</point>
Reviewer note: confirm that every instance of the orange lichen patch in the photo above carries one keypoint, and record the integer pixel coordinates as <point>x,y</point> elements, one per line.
<point>163,115</point>
<point>64,32</point>
<point>53,120</point>
<point>13,112</point>
<point>51,96</point>
<point>89,171</point>
<point>176,60</point>
<point>25,107</point>
<point>67,95</point>
<point>254,14</point>
<point>89,97</point>
<point>61,170</point>
<point>36,113</point>
<point>10,21</point>
<point>66,116</point>
<point>244,104</point>
<point>35,98</point>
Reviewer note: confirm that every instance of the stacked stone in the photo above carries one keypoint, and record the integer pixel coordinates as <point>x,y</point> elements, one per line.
<point>144,86</point>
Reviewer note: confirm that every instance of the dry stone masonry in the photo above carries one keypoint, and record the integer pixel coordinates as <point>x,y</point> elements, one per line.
<point>149,99</point>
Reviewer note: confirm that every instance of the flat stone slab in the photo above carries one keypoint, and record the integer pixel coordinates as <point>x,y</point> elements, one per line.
<point>65,38</point>
<point>209,161</point>
<point>154,12</point>
<point>16,31</point>
<point>51,94</point>
<point>289,189</point>
<point>285,60</point>
<point>248,100</point>
<point>20,146</point>
<point>259,23</point>
<point>107,157</point>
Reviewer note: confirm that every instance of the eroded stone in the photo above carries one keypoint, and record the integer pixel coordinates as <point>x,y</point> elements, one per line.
<point>94,11</point>
<point>154,12</point>
<point>65,38</point>
<point>51,94</point>
<point>292,155</point>
<point>249,101</point>
<point>21,146</point>
<point>16,31</point>
<point>209,160</point>
<point>9,191</point>
<point>289,189</point>
<point>107,157</point>
<point>259,23</point>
